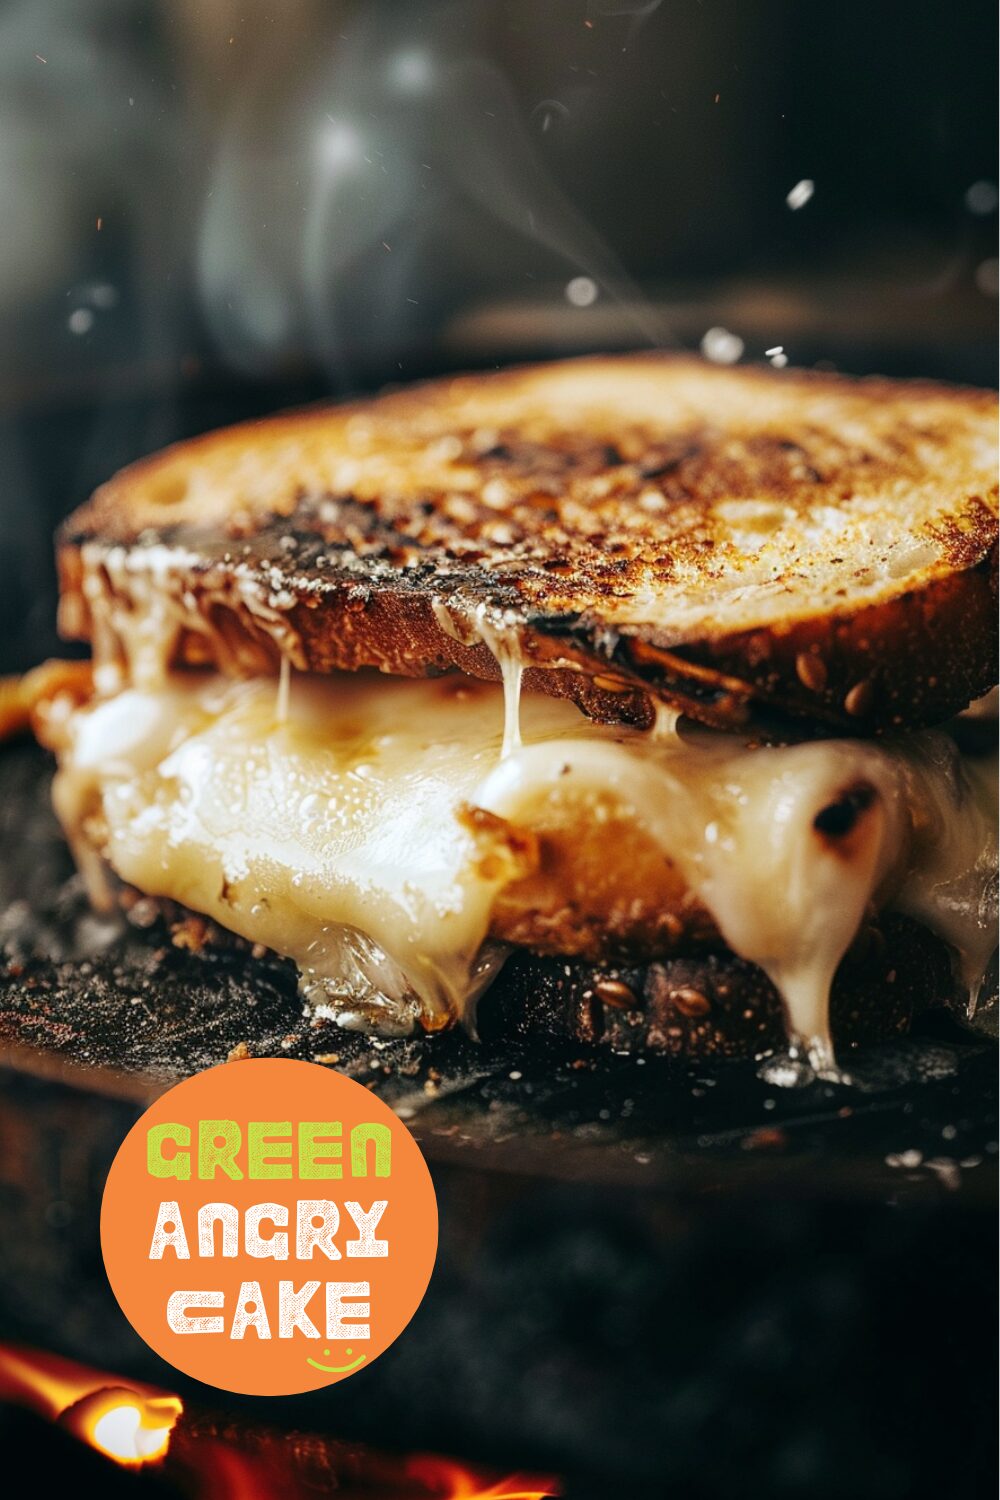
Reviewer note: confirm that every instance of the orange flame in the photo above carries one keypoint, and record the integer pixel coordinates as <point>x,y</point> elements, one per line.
<point>131,1428</point>
<point>447,1480</point>
<point>131,1424</point>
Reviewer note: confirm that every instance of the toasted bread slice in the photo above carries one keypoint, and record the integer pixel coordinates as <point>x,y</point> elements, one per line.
<point>736,542</point>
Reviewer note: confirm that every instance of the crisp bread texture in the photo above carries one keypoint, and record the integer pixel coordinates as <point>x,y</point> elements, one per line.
<point>745,544</point>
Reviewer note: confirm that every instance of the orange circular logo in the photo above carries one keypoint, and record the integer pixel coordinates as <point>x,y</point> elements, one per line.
<point>269,1226</point>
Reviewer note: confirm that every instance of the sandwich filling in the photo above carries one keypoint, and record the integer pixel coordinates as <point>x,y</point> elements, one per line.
<point>395,837</point>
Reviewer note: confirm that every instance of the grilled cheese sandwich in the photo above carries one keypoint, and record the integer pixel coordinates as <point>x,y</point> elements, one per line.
<point>272,742</point>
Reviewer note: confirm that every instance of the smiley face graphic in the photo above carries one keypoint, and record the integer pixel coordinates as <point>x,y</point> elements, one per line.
<point>338,1369</point>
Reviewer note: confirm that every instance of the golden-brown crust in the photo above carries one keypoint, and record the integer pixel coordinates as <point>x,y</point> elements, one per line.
<point>23,700</point>
<point>887,666</point>
<point>597,889</point>
<point>738,541</point>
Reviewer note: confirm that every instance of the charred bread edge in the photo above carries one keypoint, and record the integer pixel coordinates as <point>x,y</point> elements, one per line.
<point>904,662</point>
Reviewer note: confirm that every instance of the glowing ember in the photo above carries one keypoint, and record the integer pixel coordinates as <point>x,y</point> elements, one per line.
<point>128,1427</point>
<point>450,1481</point>
<point>131,1424</point>
<point>120,1434</point>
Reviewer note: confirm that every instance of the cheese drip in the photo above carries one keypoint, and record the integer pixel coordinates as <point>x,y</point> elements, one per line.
<point>326,824</point>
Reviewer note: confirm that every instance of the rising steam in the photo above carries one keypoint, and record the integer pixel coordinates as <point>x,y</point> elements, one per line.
<point>396,177</point>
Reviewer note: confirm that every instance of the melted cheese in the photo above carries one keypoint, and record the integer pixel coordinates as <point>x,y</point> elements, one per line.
<point>740,825</point>
<point>501,636</point>
<point>322,821</point>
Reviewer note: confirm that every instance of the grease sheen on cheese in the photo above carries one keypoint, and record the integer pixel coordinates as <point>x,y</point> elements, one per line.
<point>323,822</point>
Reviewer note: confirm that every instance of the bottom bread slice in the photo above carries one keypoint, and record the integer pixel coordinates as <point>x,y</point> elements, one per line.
<point>716,1005</point>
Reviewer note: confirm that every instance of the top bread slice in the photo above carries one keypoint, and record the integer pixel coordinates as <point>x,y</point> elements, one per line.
<point>744,544</point>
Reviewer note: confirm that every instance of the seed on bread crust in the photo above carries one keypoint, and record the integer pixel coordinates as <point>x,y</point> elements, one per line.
<point>811,671</point>
<point>858,701</point>
<point>616,993</point>
<point>690,1002</point>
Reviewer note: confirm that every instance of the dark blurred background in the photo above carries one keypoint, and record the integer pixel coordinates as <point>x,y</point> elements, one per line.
<point>215,207</point>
